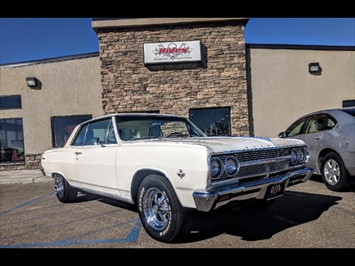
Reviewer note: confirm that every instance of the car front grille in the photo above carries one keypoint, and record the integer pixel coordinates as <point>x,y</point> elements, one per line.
<point>259,164</point>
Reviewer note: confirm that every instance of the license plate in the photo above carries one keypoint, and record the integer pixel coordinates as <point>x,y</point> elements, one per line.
<point>275,190</point>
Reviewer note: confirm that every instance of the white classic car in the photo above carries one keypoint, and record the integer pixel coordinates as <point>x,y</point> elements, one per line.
<point>167,167</point>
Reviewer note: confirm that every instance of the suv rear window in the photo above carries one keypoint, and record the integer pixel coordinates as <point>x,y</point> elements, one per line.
<point>350,111</point>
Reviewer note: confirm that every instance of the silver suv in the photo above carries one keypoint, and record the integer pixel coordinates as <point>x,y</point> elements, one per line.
<point>330,136</point>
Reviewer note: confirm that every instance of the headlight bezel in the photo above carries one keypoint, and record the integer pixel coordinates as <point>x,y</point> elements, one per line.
<point>216,167</point>
<point>231,170</point>
<point>228,166</point>
<point>299,155</point>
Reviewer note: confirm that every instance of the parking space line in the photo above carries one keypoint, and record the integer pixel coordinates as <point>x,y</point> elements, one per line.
<point>27,203</point>
<point>131,237</point>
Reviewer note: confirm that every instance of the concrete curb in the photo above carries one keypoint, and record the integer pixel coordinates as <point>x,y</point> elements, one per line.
<point>23,177</point>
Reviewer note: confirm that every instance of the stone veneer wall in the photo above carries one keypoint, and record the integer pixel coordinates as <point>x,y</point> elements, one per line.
<point>220,81</point>
<point>32,161</point>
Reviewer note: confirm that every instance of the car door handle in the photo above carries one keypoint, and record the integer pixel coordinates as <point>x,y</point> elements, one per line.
<point>77,152</point>
<point>317,138</point>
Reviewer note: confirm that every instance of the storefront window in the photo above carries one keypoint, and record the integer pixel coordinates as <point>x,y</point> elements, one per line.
<point>212,121</point>
<point>11,140</point>
<point>62,127</point>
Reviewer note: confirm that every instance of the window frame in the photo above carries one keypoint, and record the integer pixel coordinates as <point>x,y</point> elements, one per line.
<point>65,132</point>
<point>14,154</point>
<point>91,127</point>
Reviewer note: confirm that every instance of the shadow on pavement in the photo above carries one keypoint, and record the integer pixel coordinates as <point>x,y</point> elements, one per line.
<point>293,209</point>
<point>251,224</point>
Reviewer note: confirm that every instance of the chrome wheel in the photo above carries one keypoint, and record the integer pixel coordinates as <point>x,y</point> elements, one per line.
<point>64,192</point>
<point>156,209</point>
<point>332,172</point>
<point>59,185</point>
<point>160,211</point>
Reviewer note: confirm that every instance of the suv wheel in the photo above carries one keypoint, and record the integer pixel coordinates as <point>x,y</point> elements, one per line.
<point>334,174</point>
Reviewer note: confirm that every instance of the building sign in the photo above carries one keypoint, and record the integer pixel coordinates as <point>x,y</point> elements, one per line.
<point>172,52</point>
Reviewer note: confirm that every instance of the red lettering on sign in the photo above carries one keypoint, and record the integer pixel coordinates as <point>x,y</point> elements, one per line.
<point>172,50</point>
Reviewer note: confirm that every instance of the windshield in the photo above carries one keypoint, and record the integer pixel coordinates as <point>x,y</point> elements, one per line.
<point>149,127</point>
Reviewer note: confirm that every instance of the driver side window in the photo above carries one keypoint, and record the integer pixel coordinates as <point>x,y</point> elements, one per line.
<point>314,125</point>
<point>101,131</point>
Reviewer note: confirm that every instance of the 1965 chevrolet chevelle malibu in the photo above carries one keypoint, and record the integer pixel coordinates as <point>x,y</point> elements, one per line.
<point>167,168</point>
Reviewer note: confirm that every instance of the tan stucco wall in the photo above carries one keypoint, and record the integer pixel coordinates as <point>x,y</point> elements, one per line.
<point>70,87</point>
<point>283,89</point>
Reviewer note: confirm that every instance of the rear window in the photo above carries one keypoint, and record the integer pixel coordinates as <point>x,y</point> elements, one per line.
<point>350,111</point>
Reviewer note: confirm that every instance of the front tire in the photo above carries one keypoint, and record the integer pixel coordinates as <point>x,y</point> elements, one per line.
<point>160,211</point>
<point>334,173</point>
<point>65,193</point>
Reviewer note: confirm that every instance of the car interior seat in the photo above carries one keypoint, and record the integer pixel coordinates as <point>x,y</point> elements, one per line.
<point>125,134</point>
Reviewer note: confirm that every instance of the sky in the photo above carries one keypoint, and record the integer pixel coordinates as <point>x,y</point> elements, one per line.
<point>26,39</point>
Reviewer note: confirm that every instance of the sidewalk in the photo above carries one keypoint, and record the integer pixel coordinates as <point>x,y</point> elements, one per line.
<point>22,177</point>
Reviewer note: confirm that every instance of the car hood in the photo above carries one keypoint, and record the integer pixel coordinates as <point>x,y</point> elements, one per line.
<point>220,144</point>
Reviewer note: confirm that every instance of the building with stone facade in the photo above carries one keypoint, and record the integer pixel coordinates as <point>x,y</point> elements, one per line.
<point>232,88</point>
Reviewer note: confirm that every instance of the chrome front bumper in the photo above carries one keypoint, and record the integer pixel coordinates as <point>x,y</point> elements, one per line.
<point>206,201</point>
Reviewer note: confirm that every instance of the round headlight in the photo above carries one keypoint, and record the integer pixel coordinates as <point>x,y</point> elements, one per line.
<point>293,156</point>
<point>216,167</point>
<point>300,156</point>
<point>232,166</point>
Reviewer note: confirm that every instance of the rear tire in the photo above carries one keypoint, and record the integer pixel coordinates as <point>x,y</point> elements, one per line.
<point>334,173</point>
<point>161,214</point>
<point>65,193</point>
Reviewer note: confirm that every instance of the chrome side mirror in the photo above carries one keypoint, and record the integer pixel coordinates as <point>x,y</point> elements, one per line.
<point>95,141</point>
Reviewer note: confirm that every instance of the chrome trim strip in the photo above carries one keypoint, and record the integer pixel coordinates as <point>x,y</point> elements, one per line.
<point>264,161</point>
<point>104,194</point>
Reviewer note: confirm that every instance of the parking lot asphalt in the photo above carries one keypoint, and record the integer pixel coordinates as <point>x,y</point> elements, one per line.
<point>23,177</point>
<point>307,216</point>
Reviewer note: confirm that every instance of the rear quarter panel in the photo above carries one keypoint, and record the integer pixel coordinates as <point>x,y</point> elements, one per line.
<point>61,160</point>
